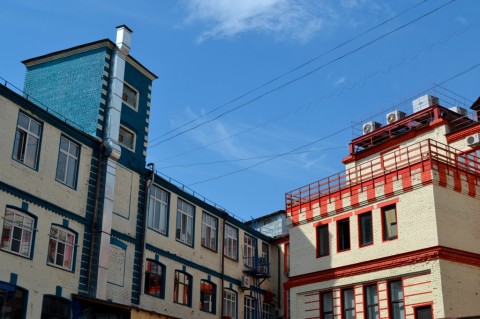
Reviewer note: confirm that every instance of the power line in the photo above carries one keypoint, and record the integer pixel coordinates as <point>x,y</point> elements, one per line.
<point>247,159</point>
<point>278,88</point>
<point>338,92</point>
<point>294,69</point>
<point>325,137</point>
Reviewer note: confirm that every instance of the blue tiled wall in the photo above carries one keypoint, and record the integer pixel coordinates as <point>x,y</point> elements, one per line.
<point>70,86</point>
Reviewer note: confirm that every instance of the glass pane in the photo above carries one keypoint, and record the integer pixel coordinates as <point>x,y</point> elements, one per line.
<point>62,163</point>
<point>72,165</point>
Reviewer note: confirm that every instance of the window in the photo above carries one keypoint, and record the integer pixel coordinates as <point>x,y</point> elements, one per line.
<point>231,242</point>
<point>55,307</point>
<point>326,305</point>
<point>67,162</point>
<point>389,217</point>
<point>365,229</point>
<point>229,304</point>
<point>423,312</point>
<point>348,304</point>
<point>371,302</point>
<point>209,231</point>
<point>343,234</point>
<point>182,288</point>
<point>395,299</point>
<point>13,301</point>
<point>154,279</point>
<point>130,96</point>
<point>286,259</point>
<point>207,296</point>
<point>185,213</point>
<point>267,311</point>
<point>61,247</point>
<point>265,261</point>
<point>323,245</point>
<point>27,141</point>
<point>17,234</point>
<point>126,138</point>
<point>158,209</point>
<point>248,250</point>
<point>248,307</point>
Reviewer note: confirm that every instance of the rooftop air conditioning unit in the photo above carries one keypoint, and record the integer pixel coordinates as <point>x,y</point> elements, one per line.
<point>395,116</point>
<point>423,102</point>
<point>245,282</point>
<point>459,110</point>
<point>370,127</point>
<point>473,140</point>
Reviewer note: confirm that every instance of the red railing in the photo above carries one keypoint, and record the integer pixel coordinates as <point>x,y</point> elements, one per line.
<point>391,161</point>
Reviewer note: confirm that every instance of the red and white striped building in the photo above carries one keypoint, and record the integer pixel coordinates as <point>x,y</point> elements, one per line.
<point>397,233</point>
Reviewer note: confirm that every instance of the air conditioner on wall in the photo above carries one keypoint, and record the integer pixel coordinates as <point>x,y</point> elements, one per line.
<point>245,282</point>
<point>395,116</point>
<point>370,127</point>
<point>473,140</point>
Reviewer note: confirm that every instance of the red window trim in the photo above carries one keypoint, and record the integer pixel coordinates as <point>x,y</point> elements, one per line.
<point>359,226</point>
<point>383,223</point>
<point>349,235</point>
<point>316,241</point>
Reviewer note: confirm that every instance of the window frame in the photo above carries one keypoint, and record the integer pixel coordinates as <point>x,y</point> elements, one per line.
<point>323,312</point>
<point>233,300</point>
<point>384,209</point>
<point>56,300</point>
<point>209,229</point>
<point>73,247</point>
<point>186,285</point>
<point>249,306</point>
<point>373,305</point>
<point>137,96</point>
<point>32,229</point>
<point>68,157</point>
<point>233,255</point>
<point>267,311</point>
<point>392,302</point>
<point>361,231</point>
<point>320,229</point>
<point>157,198</point>
<point>425,306</point>
<point>134,138</point>
<point>24,138</point>
<point>213,300</point>
<point>159,274</point>
<point>249,249</point>
<point>183,219</point>
<point>343,303</point>
<point>341,233</point>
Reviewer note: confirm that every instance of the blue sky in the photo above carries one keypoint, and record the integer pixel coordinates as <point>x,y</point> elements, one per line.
<point>271,88</point>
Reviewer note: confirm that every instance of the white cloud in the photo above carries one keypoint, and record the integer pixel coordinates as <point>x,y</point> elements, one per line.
<point>285,19</point>
<point>341,80</point>
<point>297,20</point>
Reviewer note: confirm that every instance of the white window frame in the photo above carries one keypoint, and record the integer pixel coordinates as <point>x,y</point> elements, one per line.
<point>21,226</point>
<point>71,162</point>
<point>229,303</point>
<point>267,311</point>
<point>209,231</point>
<point>61,247</point>
<point>23,141</point>
<point>137,95</point>
<point>248,307</point>
<point>158,200</point>
<point>185,218</point>
<point>231,242</point>
<point>249,250</point>
<point>134,138</point>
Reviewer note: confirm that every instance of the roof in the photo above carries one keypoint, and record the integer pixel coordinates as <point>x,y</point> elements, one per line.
<point>104,43</point>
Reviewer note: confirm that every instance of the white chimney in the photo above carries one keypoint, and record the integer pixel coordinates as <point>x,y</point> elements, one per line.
<point>124,36</point>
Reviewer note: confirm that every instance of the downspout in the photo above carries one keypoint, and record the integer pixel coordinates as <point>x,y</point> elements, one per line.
<point>223,267</point>
<point>278,276</point>
<point>148,183</point>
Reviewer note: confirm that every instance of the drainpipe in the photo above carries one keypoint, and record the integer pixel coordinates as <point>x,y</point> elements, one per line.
<point>223,266</point>
<point>148,183</point>
<point>112,152</point>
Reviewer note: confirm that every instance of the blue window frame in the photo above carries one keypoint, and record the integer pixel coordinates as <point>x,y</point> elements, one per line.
<point>208,296</point>
<point>67,163</point>
<point>154,279</point>
<point>182,288</point>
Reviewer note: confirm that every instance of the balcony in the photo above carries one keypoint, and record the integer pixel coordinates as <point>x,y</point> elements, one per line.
<point>258,267</point>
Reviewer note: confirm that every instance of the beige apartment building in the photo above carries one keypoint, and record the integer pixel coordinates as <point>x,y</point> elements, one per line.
<point>397,233</point>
